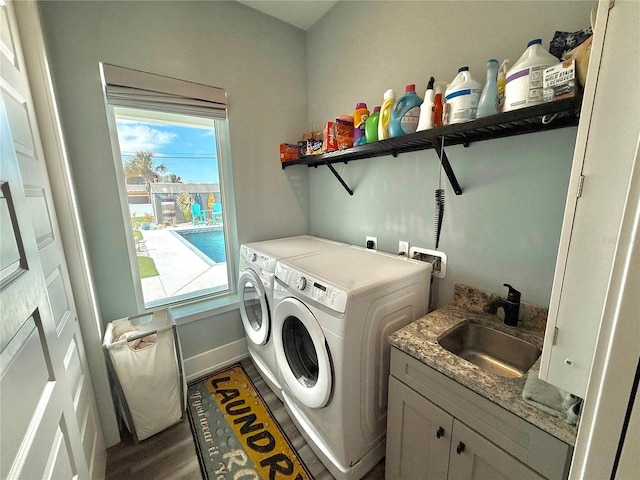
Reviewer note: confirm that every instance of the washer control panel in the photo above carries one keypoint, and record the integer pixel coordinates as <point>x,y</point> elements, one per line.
<point>257,259</point>
<point>306,286</point>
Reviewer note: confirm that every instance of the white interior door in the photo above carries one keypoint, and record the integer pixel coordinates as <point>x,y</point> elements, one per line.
<point>50,427</point>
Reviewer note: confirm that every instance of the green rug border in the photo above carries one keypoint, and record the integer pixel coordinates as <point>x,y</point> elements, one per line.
<point>203,469</point>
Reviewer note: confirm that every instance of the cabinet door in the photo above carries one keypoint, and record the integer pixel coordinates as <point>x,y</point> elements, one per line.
<point>474,457</point>
<point>418,436</point>
<point>603,161</point>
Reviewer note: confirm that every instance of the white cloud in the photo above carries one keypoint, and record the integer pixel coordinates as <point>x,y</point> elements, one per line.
<point>134,137</point>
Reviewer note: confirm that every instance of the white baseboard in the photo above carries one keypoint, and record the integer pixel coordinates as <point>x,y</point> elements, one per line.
<point>212,360</point>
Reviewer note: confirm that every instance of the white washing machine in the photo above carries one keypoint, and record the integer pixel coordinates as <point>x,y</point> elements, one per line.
<point>333,313</point>
<point>255,288</point>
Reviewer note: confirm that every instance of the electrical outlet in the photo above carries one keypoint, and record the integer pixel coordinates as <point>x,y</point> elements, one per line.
<point>371,242</point>
<point>403,248</point>
<point>437,259</point>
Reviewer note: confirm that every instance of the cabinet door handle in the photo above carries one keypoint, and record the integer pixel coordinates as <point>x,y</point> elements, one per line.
<point>439,432</point>
<point>460,448</point>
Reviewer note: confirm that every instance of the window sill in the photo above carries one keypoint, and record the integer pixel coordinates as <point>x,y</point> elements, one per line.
<point>203,309</point>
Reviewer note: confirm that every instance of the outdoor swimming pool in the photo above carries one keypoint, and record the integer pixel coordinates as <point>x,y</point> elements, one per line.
<point>209,242</point>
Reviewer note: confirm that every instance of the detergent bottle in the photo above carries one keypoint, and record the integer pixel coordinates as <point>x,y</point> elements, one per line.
<point>371,126</point>
<point>462,97</point>
<point>360,116</point>
<point>524,79</point>
<point>405,113</point>
<point>385,114</point>
<point>488,104</point>
<point>426,109</point>
<point>502,83</point>
<point>438,107</point>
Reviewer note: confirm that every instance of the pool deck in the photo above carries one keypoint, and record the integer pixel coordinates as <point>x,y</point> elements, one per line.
<point>179,274</point>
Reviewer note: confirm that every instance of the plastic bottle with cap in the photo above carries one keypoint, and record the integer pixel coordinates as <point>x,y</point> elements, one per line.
<point>426,109</point>
<point>371,126</point>
<point>405,113</point>
<point>385,114</point>
<point>462,97</point>
<point>438,107</point>
<point>488,104</point>
<point>525,78</point>
<point>502,82</point>
<point>360,116</point>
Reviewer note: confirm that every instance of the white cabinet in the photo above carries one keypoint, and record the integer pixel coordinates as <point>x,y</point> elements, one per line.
<point>599,183</point>
<point>425,442</point>
<point>439,429</point>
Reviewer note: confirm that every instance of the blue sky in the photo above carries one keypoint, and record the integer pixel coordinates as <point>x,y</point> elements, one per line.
<point>189,152</point>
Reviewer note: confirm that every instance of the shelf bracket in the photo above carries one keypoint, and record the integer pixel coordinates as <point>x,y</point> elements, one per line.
<point>444,161</point>
<point>333,170</point>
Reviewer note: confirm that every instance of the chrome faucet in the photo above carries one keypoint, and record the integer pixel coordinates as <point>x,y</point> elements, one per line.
<point>511,306</point>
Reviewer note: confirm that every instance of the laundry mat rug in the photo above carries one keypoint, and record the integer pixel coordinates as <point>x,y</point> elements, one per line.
<point>235,433</point>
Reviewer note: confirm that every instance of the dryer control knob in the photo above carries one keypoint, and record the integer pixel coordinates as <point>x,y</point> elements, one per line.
<point>301,283</point>
<point>254,256</point>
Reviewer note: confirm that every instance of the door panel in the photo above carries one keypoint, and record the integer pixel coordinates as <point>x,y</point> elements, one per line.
<point>474,457</point>
<point>418,435</point>
<point>39,212</point>
<point>46,391</point>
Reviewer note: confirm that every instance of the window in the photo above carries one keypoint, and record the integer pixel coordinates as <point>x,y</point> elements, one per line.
<point>174,165</point>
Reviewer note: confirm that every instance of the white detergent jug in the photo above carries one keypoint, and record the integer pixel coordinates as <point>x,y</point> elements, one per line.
<point>462,95</point>
<point>524,79</point>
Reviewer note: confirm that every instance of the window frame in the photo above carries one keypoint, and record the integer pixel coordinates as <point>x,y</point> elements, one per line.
<point>203,305</point>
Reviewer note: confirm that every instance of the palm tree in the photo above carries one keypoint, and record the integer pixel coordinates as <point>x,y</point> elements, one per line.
<point>172,178</point>
<point>141,165</point>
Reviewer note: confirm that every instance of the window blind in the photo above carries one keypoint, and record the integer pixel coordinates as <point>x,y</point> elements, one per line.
<point>133,88</point>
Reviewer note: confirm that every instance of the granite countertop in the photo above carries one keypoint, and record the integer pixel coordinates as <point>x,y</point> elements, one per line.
<point>420,340</point>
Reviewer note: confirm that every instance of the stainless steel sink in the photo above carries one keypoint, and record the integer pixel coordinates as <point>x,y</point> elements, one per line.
<point>490,349</point>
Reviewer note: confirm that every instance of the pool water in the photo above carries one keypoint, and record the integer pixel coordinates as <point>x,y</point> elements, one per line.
<point>210,242</point>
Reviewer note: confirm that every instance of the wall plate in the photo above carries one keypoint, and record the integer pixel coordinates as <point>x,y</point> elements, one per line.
<point>437,259</point>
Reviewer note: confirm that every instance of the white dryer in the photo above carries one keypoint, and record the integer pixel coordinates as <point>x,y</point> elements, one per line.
<point>333,313</point>
<point>255,288</point>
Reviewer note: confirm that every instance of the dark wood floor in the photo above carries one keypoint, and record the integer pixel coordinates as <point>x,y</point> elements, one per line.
<point>171,454</point>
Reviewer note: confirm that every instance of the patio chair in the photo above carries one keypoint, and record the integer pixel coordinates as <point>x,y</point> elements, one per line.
<point>216,213</point>
<point>197,216</point>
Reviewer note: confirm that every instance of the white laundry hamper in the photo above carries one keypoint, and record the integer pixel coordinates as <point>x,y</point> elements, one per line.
<point>149,383</point>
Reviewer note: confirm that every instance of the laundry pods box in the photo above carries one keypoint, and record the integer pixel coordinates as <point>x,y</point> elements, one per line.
<point>344,131</point>
<point>288,151</point>
<point>329,142</point>
<point>559,81</point>
<point>314,147</point>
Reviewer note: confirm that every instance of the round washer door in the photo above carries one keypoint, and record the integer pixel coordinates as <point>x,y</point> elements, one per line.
<point>254,308</point>
<point>301,353</point>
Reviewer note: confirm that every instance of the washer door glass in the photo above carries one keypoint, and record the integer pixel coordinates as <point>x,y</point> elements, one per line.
<point>299,352</point>
<point>254,308</point>
<point>302,354</point>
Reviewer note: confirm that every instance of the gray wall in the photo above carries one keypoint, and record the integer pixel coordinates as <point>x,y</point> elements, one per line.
<point>259,60</point>
<point>505,227</point>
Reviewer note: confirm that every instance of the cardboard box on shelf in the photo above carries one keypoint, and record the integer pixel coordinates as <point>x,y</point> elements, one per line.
<point>560,81</point>
<point>329,143</point>
<point>344,131</point>
<point>288,151</point>
<point>302,148</point>
<point>314,147</point>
